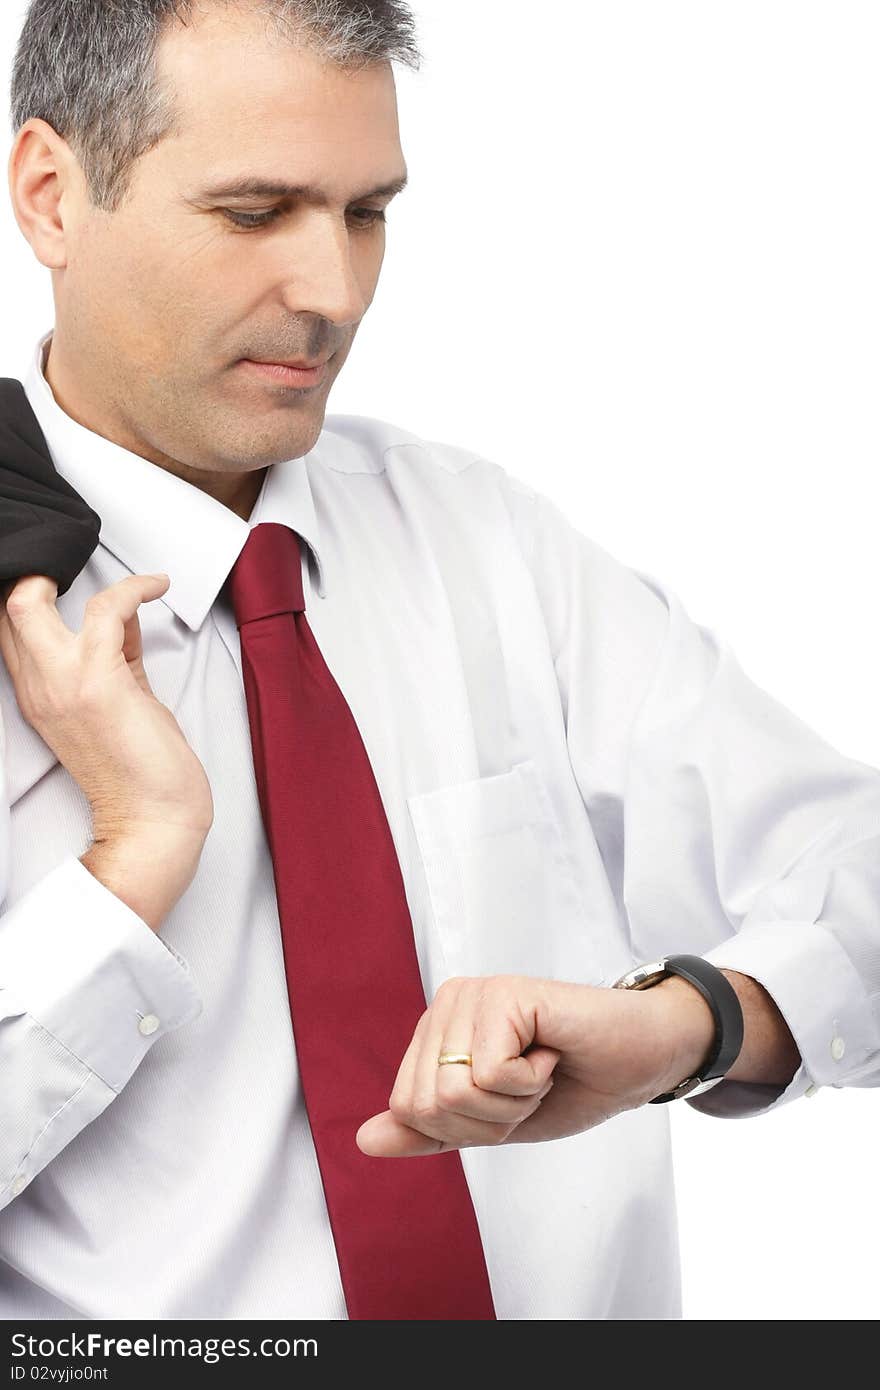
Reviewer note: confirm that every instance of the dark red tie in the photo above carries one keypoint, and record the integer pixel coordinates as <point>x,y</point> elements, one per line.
<point>405,1231</point>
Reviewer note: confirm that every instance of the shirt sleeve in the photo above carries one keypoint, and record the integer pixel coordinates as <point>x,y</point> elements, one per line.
<point>728,827</point>
<point>86,989</point>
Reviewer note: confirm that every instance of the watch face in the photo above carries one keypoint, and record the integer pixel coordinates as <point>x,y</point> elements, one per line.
<point>642,976</point>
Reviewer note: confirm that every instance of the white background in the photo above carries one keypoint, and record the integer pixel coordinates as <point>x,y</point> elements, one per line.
<point>637,264</point>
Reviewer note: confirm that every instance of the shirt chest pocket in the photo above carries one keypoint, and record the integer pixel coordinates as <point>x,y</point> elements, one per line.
<point>503,893</point>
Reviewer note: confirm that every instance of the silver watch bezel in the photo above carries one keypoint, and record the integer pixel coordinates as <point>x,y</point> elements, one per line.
<point>642,977</point>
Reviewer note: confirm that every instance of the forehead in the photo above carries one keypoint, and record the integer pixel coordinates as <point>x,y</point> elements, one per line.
<point>239,86</point>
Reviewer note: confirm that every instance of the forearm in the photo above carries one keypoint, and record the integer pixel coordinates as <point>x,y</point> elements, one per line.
<point>769,1054</point>
<point>149,873</point>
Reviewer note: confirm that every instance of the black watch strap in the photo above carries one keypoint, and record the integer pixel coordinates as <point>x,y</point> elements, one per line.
<point>722,999</point>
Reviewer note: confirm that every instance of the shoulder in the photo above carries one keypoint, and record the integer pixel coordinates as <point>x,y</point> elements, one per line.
<point>367,444</point>
<point>570,568</point>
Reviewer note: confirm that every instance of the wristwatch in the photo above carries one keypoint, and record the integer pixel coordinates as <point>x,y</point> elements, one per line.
<point>722,1000</point>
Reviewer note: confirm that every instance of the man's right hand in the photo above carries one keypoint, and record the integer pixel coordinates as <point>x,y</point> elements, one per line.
<point>88,697</point>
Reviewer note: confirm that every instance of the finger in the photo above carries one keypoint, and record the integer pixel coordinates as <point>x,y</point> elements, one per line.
<point>387,1135</point>
<point>460,1098</point>
<point>32,593</point>
<point>456,998</point>
<point>107,620</point>
<point>445,1007</point>
<point>401,1095</point>
<point>7,643</point>
<point>36,626</point>
<point>30,585</point>
<point>457,1088</point>
<point>401,1131</point>
<point>506,1057</point>
<point>384,1136</point>
<point>23,598</point>
<point>133,642</point>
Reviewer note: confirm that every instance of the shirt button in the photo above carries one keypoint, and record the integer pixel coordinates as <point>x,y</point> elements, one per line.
<point>19,1184</point>
<point>838,1047</point>
<point>148,1024</point>
<point>811,1089</point>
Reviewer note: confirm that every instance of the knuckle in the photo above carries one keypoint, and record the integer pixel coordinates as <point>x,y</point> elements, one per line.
<point>398,1105</point>
<point>29,589</point>
<point>487,1074</point>
<point>447,987</point>
<point>452,1087</point>
<point>16,606</point>
<point>424,1109</point>
<point>15,594</point>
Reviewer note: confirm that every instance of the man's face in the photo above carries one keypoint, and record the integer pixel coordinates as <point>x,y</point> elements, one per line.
<point>159,302</point>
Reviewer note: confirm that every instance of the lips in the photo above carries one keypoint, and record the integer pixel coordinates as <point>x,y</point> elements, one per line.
<point>301,364</point>
<point>285,375</point>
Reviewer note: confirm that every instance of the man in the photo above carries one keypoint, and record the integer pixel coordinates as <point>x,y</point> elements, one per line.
<point>577,778</point>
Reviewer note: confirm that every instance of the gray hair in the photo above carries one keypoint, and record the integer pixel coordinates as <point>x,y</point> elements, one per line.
<point>88,68</point>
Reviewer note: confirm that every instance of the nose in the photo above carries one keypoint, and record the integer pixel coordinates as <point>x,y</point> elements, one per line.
<point>325,275</point>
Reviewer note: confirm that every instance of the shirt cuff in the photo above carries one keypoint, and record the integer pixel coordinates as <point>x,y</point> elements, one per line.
<point>92,972</point>
<point>820,995</point>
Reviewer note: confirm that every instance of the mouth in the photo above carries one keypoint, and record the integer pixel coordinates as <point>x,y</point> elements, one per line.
<point>284,374</point>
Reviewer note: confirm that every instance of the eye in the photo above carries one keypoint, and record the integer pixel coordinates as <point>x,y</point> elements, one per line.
<point>252,220</point>
<point>372,216</point>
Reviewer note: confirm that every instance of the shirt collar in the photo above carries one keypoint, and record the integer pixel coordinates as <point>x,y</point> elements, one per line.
<point>153,521</point>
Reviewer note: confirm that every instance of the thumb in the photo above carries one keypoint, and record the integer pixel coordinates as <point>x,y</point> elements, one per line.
<point>132,642</point>
<point>384,1136</point>
<point>133,652</point>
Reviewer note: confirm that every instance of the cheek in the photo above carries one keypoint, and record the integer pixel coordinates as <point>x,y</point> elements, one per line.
<point>168,270</point>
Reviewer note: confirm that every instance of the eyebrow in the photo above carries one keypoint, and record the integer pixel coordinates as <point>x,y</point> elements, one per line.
<point>251,187</point>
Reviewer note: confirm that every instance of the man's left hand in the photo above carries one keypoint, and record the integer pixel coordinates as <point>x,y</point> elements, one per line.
<point>549,1059</point>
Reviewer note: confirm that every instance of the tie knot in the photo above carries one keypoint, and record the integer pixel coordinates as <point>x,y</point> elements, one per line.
<point>267,576</point>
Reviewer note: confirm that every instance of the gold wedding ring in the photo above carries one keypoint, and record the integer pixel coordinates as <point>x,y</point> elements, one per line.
<point>446,1057</point>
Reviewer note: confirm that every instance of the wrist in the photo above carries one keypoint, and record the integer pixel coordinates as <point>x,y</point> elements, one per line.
<point>685,1029</point>
<point>148,873</point>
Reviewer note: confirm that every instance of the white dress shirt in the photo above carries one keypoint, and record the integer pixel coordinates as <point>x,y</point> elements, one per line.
<point>577,777</point>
